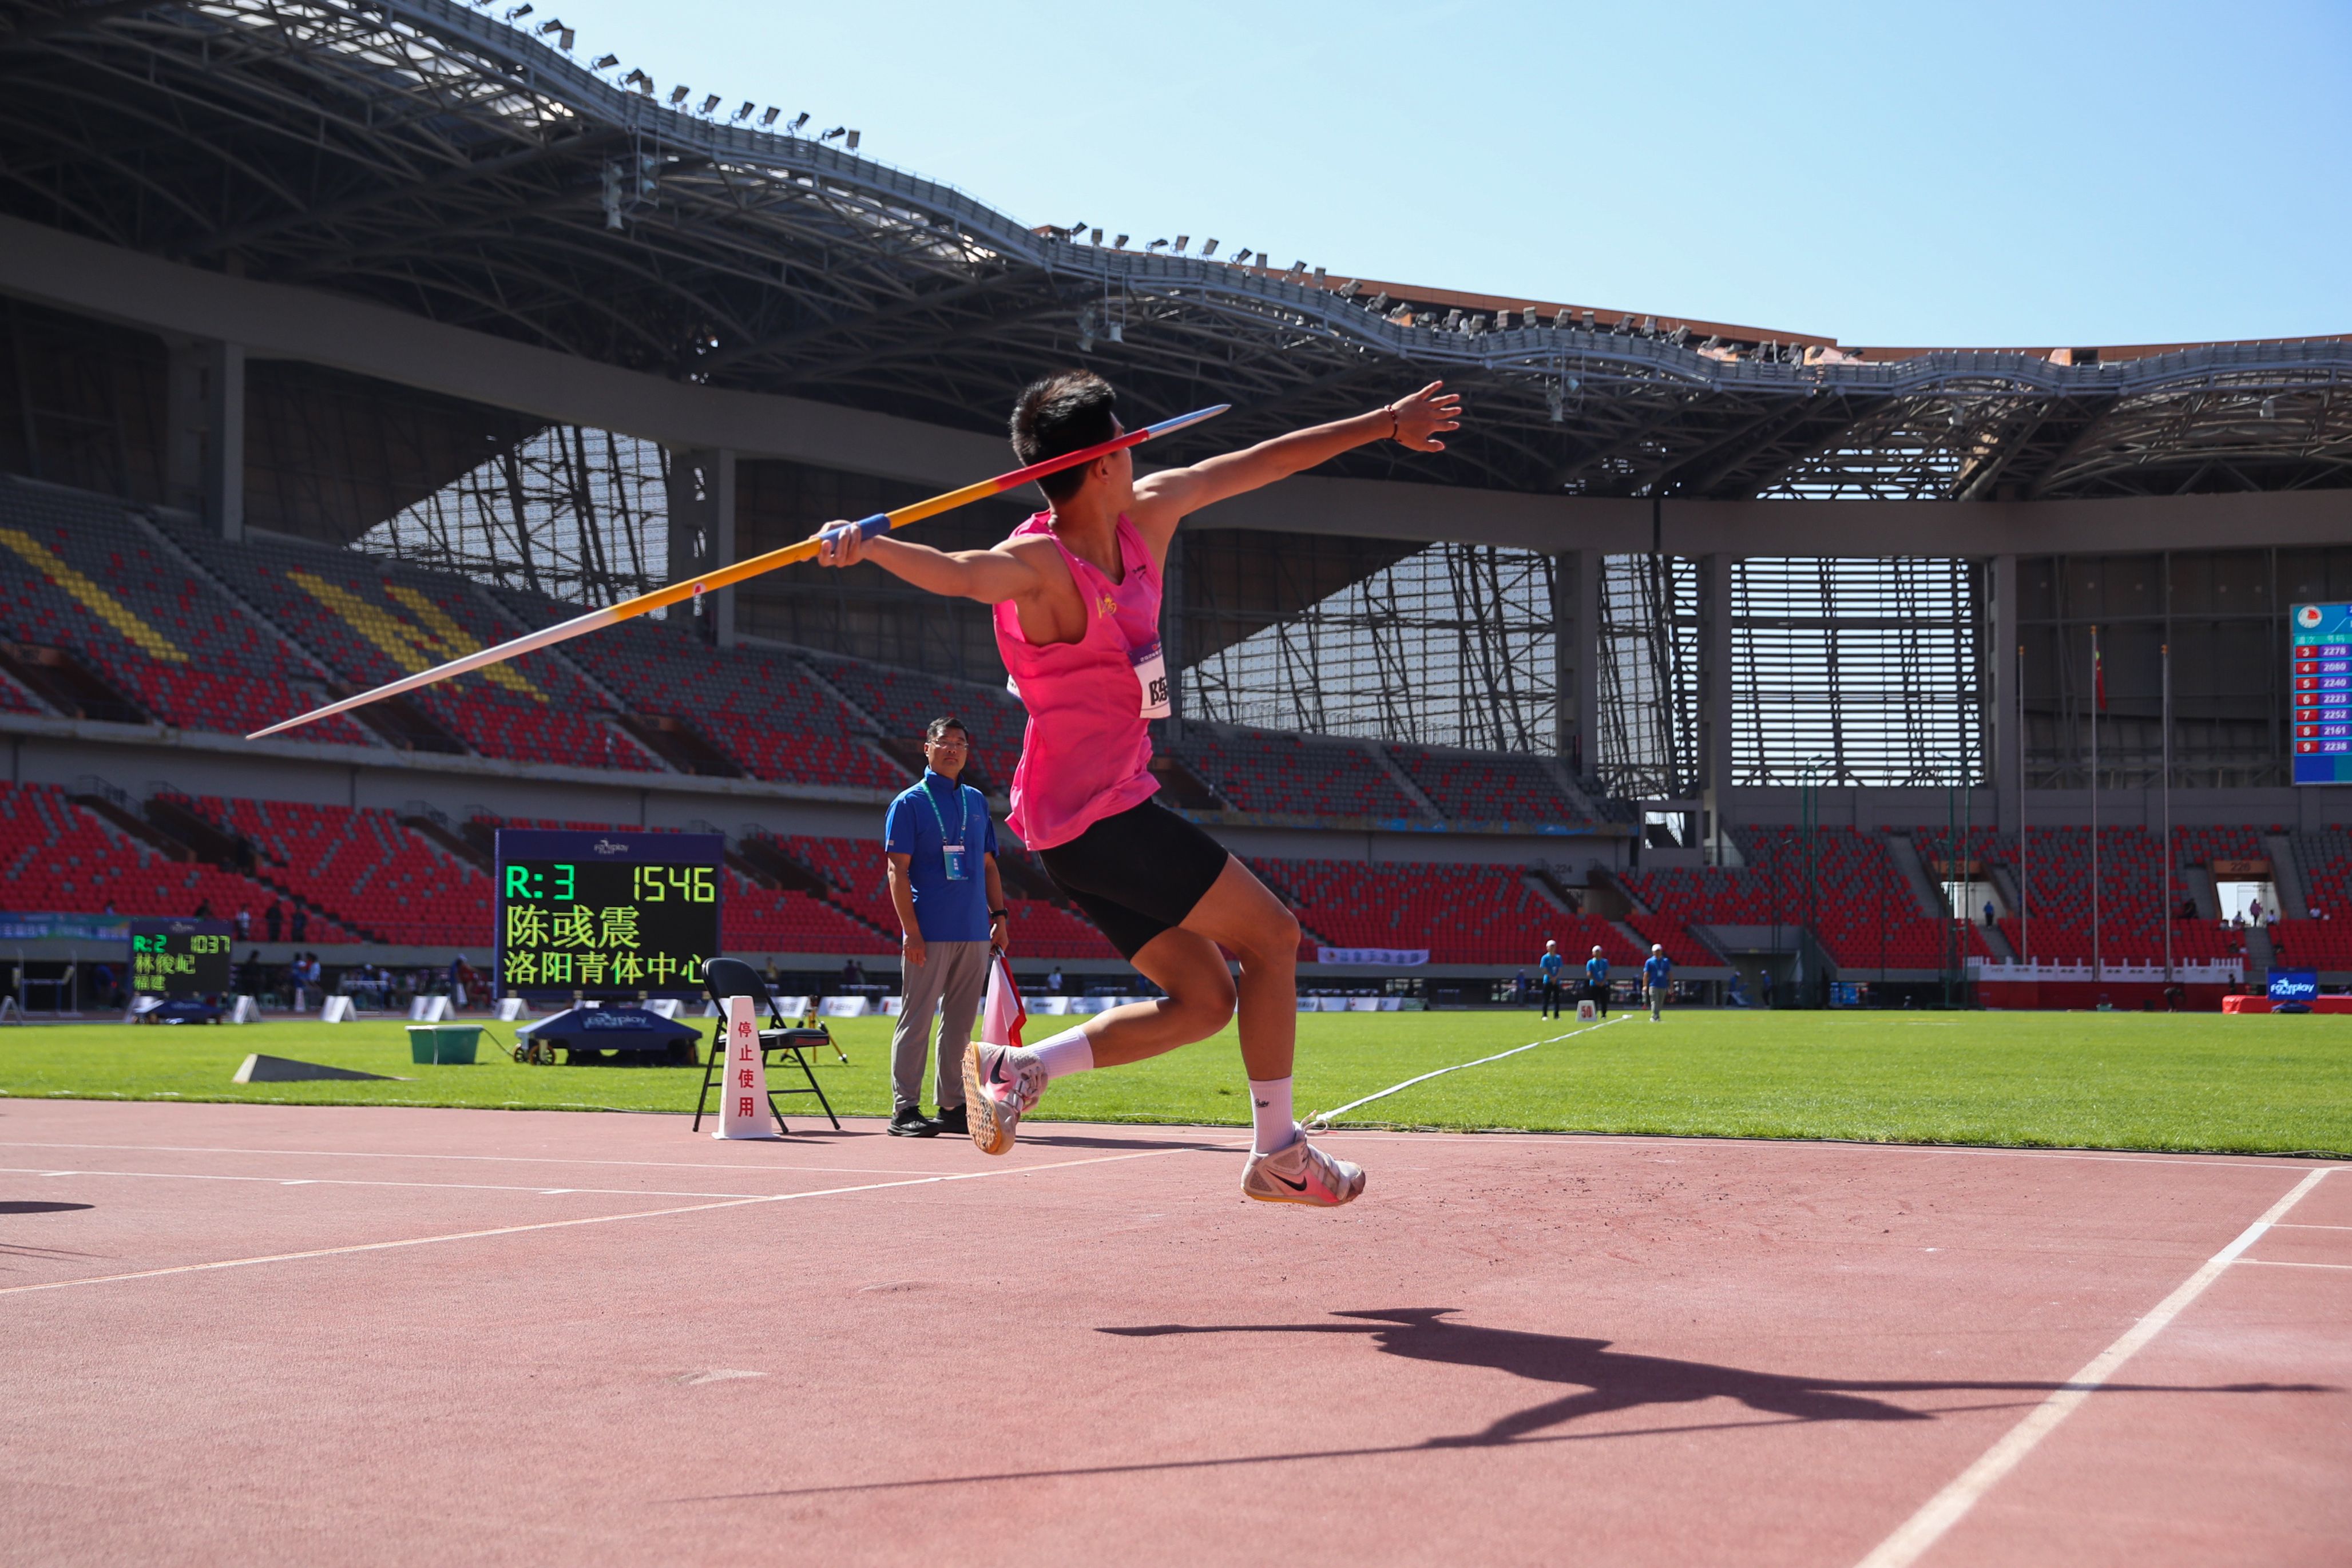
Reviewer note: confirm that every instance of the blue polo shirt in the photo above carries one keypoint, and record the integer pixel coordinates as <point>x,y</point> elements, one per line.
<point>1597,971</point>
<point>945,910</point>
<point>1657,971</point>
<point>1550,965</point>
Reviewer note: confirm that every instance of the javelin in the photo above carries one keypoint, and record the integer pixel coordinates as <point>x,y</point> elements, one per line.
<point>694,589</point>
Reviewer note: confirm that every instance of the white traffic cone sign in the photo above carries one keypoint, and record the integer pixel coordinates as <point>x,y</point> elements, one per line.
<point>743,1097</point>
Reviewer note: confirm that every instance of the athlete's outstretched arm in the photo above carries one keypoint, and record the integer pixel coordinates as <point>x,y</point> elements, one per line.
<point>991,576</point>
<point>1415,421</point>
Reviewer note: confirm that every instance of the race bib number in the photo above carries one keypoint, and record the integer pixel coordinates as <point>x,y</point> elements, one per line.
<point>1150,679</point>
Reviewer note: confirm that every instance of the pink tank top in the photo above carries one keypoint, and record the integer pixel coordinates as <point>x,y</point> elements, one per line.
<point>1086,753</point>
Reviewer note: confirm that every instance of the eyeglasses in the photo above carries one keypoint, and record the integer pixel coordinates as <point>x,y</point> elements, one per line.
<point>957,741</point>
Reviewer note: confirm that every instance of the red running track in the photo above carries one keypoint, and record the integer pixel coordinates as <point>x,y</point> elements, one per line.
<point>273,1335</point>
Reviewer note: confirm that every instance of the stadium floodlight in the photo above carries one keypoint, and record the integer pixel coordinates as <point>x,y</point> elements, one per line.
<point>1154,245</point>
<point>607,62</point>
<point>1182,241</point>
<point>1119,244</point>
<point>642,82</point>
<point>1116,332</point>
<point>1095,237</point>
<point>1680,335</point>
<point>2270,406</point>
<point>1241,257</point>
<point>1318,276</point>
<point>769,118</point>
<point>835,135</point>
<point>553,25</point>
<point>1208,248</point>
<point>800,122</point>
<point>677,95</point>
<point>516,12</point>
<point>1588,322</point>
<point>1454,320</point>
<point>744,113</point>
<point>708,104</point>
<point>852,142</point>
<point>1379,303</point>
<point>1350,289</point>
<point>1298,269</point>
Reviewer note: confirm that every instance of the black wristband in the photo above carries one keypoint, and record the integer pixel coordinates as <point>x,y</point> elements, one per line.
<point>1000,915</point>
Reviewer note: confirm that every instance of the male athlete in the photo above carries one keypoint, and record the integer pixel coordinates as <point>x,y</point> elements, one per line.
<point>1656,976</point>
<point>1551,964</point>
<point>1076,591</point>
<point>1596,981</point>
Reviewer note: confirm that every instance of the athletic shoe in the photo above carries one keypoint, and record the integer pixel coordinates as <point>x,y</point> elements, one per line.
<point>1000,1087</point>
<point>951,1119</point>
<point>911,1123</point>
<point>1302,1174</point>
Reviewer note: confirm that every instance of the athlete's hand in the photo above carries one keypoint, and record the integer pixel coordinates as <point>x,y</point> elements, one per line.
<point>1000,933</point>
<point>913,951</point>
<point>1419,417</point>
<point>841,544</point>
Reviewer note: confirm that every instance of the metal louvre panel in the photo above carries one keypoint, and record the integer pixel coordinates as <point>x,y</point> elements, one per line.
<point>1856,671</point>
<point>1451,646</point>
<point>1649,677</point>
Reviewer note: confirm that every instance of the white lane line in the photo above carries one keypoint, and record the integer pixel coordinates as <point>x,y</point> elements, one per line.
<point>1670,1141</point>
<point>1950,1505</point>
<point>563,1224</point>
<point>356,1181</point>
<point>1321,1121</point>
<point>502,1159</point>
<point>2283,1225</point>
<point>2284,1263</point>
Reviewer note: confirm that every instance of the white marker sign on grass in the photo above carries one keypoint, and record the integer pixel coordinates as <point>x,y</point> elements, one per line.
<point>743,1097</point>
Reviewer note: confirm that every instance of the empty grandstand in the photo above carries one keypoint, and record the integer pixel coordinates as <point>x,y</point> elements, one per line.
<point>346,339</point>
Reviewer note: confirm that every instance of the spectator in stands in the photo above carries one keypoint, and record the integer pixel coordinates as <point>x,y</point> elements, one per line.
<point>1550,966</point>
<point>273,919</point>
<point>939,841</point>
<point>204,909</point>
<point>299,927</point>
<point>243,925</point>
<point>1657,974</point>
<point>1596,981</point>
<point>1988,913</point>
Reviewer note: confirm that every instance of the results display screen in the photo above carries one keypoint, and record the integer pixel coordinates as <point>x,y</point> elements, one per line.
<point>610,915</point>
<point>2320,677</point>
<point>180,960</point>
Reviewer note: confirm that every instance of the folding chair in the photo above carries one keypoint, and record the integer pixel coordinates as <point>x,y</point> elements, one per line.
<point>779,1041</point>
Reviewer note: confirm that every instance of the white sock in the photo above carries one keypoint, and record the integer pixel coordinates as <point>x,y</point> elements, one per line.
<point>1067,1052</point>
<point>1270,1115</point>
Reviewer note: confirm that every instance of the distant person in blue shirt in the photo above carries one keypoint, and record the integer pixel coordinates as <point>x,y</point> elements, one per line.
<point>1656,976</point>
<point>1550,964</point>
<point>1596,982</point>
<point>940,844</point>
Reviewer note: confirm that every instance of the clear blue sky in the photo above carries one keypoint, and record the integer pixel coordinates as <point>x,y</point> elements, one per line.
<point>1986,173</point>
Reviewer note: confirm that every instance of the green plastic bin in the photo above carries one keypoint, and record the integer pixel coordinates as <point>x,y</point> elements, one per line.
<point>444,1044</point>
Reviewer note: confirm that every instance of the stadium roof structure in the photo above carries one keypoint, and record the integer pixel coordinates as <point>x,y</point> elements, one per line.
<point>427,157</point>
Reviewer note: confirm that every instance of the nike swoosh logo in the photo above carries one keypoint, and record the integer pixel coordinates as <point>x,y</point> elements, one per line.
<point>1293,1186</point>
<point>996,1071</point>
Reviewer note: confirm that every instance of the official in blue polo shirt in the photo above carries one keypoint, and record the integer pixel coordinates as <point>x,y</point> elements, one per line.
<point>1657,979</point>
<point>940,844</point>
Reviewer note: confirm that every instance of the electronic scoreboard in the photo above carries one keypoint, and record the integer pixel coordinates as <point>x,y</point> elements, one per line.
<point>614,916</point>
<point>2320,677</point>
<point>180,960</point>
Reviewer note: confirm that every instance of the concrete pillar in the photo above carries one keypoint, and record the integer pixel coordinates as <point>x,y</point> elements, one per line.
<point>702,531</point>
<point>204,433</point>
<point>2005,744</point>
<point>1714,716</point>
<point>1576,658</point>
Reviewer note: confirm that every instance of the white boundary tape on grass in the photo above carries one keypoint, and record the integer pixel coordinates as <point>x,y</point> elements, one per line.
<point>1321,1121</point>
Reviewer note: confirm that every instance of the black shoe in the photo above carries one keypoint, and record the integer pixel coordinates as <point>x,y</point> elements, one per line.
<point>911,1123</point>
<point>951,1119</point>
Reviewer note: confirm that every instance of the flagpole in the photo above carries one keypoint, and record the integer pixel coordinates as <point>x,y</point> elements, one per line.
<point>2025,872</point>
<point>2166,792</point>
<point>2098,677</point>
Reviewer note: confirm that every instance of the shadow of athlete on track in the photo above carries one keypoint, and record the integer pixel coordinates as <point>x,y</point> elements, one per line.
<point>1619,1380</point>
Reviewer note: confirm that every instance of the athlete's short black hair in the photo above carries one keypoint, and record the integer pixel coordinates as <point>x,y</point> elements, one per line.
<point>1063,412</point>
<point>940,727</point>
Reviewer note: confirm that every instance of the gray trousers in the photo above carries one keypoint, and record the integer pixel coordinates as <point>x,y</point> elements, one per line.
<point>947,983</point>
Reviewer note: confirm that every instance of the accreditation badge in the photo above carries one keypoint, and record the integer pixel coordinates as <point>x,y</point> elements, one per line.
<point>1150,679</point>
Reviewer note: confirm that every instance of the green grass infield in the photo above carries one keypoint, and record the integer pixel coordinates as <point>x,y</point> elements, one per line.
<point>2122,1081</point>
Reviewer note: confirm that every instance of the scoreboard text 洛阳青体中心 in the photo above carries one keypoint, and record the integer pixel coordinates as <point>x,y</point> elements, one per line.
<point>180,960</point>
<point>2319,677</point>
<point>612,915</point>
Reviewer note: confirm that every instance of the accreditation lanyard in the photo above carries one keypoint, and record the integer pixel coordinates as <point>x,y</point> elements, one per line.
<point>952,853</point>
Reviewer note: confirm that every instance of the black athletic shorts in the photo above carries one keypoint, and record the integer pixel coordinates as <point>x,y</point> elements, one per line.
<point>1137,873</point>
